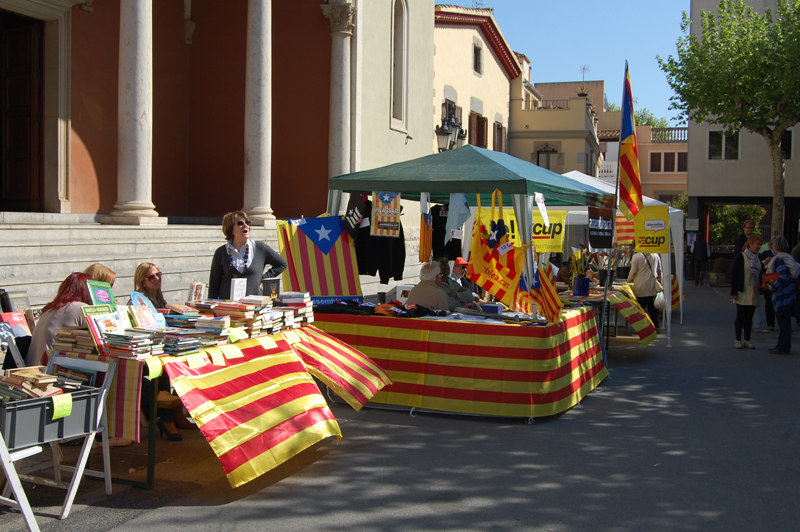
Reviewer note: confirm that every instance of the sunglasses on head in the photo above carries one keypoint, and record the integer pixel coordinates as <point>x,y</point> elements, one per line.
<point>240,223</point>
<point>154,276</point>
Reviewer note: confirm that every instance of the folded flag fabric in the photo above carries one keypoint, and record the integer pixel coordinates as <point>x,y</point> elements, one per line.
<point>258,409</point>
<point>635,315</point>
<point>348,372</point>
<point>425,237</point>
<point>677,296</point>
<point>321,257</point>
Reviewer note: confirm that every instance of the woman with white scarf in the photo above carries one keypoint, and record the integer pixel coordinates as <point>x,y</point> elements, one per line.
<point>745,280</point>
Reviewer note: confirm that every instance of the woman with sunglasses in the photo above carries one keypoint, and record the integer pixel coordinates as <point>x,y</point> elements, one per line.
<point>147,280</point>
<point>241,257</point>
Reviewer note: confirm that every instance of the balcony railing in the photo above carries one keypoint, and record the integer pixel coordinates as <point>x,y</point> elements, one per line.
<point>547,104</point>
<point>670,134</point>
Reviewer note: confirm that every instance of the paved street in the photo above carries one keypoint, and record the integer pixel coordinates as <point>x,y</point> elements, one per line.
<point>695,437</point>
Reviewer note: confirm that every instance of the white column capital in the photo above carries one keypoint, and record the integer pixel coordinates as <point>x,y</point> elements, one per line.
<point>341,17</point>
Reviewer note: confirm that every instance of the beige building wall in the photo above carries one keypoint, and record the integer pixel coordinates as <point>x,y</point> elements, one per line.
<point>381,140</point>
<point>751,174</point>
<point>485,93</point>
<point>663,184</point>
<point>571,132</point>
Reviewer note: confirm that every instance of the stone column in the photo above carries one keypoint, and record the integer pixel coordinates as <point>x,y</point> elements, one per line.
<point>258,113</point>
<point>340,13</point>
<point>135,117</point>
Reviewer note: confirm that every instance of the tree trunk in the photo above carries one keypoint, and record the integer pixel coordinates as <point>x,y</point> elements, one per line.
<point>778,185</point>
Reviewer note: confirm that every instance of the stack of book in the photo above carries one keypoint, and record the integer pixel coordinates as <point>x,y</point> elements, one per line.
<point>26,383</point>
<point>301,303</point>
<point>206,306</point>
<point>181,341</point>
<point>239,313</point>
<point>212,330</point>
<point>128,344</point>
<point>273,322</point>
<point>74,340</point>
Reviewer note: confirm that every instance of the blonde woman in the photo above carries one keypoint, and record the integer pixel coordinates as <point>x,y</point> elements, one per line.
<point>147,280</point>
<point>98,272</point>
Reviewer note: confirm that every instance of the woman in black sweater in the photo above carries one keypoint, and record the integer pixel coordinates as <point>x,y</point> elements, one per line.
<point>241,257</point>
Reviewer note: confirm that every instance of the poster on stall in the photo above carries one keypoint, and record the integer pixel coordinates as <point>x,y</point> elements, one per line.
<point>652,229</point>
<point>601,228</point>
<point>546,238</point>
<point>385,220</point>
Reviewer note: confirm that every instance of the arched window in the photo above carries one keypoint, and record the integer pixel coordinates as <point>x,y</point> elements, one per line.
<point>399,64</point>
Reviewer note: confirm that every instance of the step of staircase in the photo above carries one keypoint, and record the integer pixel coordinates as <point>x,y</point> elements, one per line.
<point>36,257</point>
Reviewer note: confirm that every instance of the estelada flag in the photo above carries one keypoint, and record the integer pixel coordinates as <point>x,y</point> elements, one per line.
<point>425,237</point>
<point>385,219</point>
<point>630,182</point>
<point>495,264</point>
<point>321,257</point>
<point>546,296</point>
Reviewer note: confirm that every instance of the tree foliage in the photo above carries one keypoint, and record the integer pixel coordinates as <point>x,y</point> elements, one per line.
<point>742,73</point>
<point>645,117</point>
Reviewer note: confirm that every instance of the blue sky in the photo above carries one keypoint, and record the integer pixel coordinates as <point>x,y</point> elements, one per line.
<point>559,37</point>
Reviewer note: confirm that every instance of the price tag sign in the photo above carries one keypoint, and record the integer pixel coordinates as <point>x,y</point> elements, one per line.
<point>236,333</point>
<point>62,405</point>
<point>154,367</point>
<point>267,342</point>
<point>231,351</point>
<point>217,358</point>
<point>298,222</point>
<point>542,208</point>
<point>290,336</point>
<point>505,248</point>
<point>196,360</point>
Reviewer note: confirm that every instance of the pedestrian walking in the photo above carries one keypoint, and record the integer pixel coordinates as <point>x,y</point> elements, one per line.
<point>745,280</point>
<point>784,292</point>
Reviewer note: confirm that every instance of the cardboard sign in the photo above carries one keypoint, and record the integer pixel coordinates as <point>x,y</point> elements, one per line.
<point>651,227</point>
<point>62,405</point>
<point>601,228</point>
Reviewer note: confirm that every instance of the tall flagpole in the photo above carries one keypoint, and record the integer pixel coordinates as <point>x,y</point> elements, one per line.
<point>613,229</point>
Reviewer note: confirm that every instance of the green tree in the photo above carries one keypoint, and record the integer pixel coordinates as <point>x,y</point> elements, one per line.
<point>644,117</point>
<point>742,74</point>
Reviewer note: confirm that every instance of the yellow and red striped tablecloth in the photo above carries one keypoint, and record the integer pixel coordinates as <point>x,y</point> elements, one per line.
<point>487,369</point>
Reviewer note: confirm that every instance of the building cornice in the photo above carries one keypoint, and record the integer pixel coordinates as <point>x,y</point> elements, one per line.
<point>488,26</point>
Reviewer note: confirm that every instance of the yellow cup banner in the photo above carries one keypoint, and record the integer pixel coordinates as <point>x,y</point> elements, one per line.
<point>545,239</point>
<point>651,227</point>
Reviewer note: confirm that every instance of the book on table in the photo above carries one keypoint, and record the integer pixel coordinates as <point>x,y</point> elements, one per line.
<point>14,300</point>
<point>18,323</point>
<point>100,293</point>
<point>184,310</point>
<point>238,288</point>
<point>102,320</point>
<point>143,316</point>
<point>196,291</point>
<point>32,317</point>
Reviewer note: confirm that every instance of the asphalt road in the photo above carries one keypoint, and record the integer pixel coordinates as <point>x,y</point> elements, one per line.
<point>698,436</point>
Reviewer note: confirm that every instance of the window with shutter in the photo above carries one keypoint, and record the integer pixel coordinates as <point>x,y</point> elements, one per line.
<point>483,132</point>
<point>473,128</point>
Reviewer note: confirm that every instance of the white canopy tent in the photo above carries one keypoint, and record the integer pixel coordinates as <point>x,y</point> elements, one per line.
<point>578,215</point>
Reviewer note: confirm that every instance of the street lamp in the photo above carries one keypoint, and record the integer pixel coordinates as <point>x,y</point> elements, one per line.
<point>450,135</point>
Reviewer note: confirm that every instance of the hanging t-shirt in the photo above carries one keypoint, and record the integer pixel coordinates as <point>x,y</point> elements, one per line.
<point>453,247</point>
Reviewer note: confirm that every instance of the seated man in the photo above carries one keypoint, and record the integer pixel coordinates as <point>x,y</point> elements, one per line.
<point>457,295</point>
<point>427,292</point>
<point>460,276</point>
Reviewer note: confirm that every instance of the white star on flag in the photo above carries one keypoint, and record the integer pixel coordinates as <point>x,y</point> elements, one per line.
<point>493,236</point>
<point>386,197</point>
<point>323,233</point>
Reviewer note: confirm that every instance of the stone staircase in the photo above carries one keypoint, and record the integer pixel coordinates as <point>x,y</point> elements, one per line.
<point>36,255</point>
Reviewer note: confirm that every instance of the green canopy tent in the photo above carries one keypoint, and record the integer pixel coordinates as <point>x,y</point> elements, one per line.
<point>473,171</point>
<point>469,170</point>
